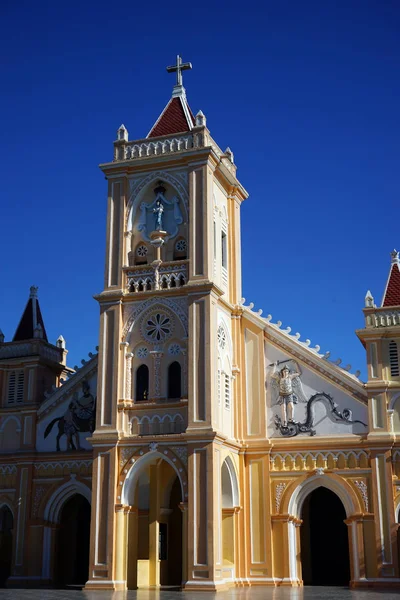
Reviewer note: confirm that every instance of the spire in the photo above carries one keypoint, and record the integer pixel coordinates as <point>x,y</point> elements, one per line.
<point>391,296</point>
<point>31,324</point>
<point>176,116</point>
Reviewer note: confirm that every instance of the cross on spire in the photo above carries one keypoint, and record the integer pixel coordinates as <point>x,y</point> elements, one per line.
<point>178,68</point>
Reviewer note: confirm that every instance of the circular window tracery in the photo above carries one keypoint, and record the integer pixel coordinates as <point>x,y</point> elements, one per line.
<point>142,250</point>
<point>142,352</point>
<point>221,337</point>
<point>157,327</point>
<point>174,349</point>
<point>181,245</point>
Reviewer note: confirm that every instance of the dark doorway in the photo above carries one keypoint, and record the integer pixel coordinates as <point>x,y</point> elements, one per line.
<point>174,380</point>
<point>171,545</point>
<point>324,540</point>
<point>6,539</point>
<point>142,383</point>
<point>72,549</point>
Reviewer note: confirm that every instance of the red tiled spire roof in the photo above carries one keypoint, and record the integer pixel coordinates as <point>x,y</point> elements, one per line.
<point>391,296</point>
<point>175,118</point>
<point>31,318</point>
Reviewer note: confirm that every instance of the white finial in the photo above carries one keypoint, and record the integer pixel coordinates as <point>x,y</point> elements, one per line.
<point>369,300</point>
<point>33,291</point>
<point>278,323</point>
<point>60,343</point>
<point>347,367</point>
<point>357,373</point>
<point>317,347</point>
<point>297,335</point>
<point>229,154</point>
<point>251,305</point>
<point>287,330</point>
<point>338,361</point>
<point>326,355</point>
<point>260,311</point>
<point>1,337</point>
<point>307,342</point>
<point>201,120</point>
<point>268,318</point>
<point>122,133</point>
<point>395,256</point>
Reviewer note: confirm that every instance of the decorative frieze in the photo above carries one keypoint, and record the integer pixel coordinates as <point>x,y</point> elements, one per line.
<point>310,461</point>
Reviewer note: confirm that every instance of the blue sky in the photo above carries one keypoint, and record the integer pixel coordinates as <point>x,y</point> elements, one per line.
<point>305,93</point>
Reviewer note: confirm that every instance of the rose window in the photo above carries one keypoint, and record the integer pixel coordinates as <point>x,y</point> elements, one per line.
<point>142,352</point>
<point>180,246</point>
<point>174,349</point>
<point>157,327</point>
<point>141,250</point>
<point>221,337</point>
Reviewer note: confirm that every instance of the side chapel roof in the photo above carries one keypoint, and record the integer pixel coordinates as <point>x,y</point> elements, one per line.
<point>31,320</point>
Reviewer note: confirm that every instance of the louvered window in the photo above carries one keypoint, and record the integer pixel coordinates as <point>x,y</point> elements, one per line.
<point>219,386</point>
<point>394,359</point>
<point>15,393</point>
<point>227,391</point>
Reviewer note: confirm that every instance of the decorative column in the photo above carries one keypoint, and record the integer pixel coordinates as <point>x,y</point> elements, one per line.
<point>128,247</point>
<point>120,548</point>
<point>128,376</point>
<point>155,382</point>
<point>184,509</point>
<point>355,525</point>
<point>287,533</point>
<point>132,544</point>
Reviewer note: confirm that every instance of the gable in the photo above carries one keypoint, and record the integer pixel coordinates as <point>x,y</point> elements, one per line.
<point>321,406</point>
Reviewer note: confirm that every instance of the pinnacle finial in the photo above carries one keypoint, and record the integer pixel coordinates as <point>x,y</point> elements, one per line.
<point>369,300</point>
<point>395,256</point>
<point>33,291</point>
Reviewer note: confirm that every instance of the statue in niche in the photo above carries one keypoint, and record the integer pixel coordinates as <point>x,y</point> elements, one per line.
<point>79,417</point>
<point>158,211</point>
<point>161,213</point>
<point>287,390</point>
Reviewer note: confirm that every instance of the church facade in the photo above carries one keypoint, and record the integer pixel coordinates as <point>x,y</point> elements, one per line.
<point>202,445</point>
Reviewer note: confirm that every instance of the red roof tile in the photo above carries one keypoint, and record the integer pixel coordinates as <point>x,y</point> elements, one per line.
<point>392,293</point>
<point>172,119</point>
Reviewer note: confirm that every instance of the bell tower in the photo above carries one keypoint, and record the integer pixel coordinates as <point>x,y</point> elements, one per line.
<point>168,354</point>
<point>381,339</point>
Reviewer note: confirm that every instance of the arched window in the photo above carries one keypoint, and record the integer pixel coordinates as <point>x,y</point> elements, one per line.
<point>142,383</point>
<point>141,254</point>
<point>394,359</point>
<point>180,249</point>
<point>174,380</point>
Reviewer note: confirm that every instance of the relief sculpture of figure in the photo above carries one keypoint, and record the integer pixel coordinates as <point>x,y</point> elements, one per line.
<point>79,417</point>
<point>288,386</point>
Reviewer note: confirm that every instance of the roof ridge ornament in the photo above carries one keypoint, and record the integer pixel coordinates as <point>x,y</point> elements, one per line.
<point>395,256</point>
<point>178,89</point>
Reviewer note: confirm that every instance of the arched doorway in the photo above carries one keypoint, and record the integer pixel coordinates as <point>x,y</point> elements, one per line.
<point>72,543</point>
<point>324,540</point>
<point>230,500</point>
<point>6,542</point>
<point>154,545</point>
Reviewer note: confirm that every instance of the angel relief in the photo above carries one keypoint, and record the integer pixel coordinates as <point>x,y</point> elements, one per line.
<point>287,390</point>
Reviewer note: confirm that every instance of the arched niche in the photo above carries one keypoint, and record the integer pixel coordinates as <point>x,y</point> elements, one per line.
<point>229,484</point>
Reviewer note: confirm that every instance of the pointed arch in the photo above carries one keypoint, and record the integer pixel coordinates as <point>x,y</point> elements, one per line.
<point>139,190</point>
<point>230,486</point>
<point>57,500</point>
<point>128,488</point>
<point>173,306</point>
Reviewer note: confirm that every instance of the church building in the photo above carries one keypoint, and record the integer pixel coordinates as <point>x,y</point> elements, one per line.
<point>201,445</point>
